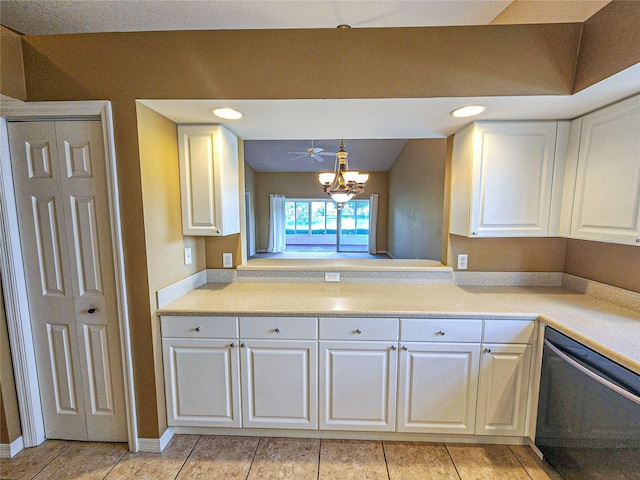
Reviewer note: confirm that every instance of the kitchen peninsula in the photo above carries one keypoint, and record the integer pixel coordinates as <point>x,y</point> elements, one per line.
<point>407,325</point>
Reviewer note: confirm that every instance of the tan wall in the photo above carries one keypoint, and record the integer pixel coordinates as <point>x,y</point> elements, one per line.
<point>158,143</point>
<point>509,254</point>
<point>12,81</point>
<point>610,263</point>
<point>9,417</point>
<point>416,200</point>
<point>379,63</point>
<point>305,185</point>
<point>609,43</point>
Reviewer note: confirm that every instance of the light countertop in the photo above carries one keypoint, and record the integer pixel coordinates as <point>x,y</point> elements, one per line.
<point>609,329</point>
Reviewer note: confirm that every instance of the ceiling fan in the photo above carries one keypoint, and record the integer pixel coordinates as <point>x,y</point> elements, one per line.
<point>313,152</point>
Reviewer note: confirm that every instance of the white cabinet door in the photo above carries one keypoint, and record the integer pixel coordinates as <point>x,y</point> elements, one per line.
<point>358,385</point>
<point>438,387</point>
<point>209,188</point>
<point>279,384</point>
<point>607,196</point>
<point>202,382</point>
<point>502,177</point>
<point>502,391</point>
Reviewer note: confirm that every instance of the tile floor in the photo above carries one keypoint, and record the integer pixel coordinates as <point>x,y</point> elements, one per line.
<point>254,458</point>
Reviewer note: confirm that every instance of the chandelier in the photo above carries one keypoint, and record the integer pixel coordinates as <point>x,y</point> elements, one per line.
<point>342,184</point>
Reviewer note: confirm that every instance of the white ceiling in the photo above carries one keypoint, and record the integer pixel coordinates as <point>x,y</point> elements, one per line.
<point>41,17</point>
<point>363,119</point>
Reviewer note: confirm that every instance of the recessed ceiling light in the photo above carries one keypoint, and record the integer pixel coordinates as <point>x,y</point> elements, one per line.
<point>468,111</point>
<point>227,113</point>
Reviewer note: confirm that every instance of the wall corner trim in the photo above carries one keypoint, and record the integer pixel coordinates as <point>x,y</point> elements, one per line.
<point>9,450</point>
<point>155,445</point>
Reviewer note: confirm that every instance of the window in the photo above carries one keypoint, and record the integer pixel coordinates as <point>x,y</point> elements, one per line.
<point>318,222</point>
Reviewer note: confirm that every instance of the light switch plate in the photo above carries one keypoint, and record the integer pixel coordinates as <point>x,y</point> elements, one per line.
<point>187,256</point>
<point>227,260</point>
<point>331,276</point>
<point>463,260</point>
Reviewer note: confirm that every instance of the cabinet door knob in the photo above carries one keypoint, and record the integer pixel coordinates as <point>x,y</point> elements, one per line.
<point>242,345</point>
<point>487,350</point>
<point>198,329</point>
<point>92,310</point>
<point>277,330</point>
<point>440,332</point>
<point>358,331</point>
<point>475,234</point>
<point>393,347</point>
<point>404,348</point>
<point>638,240</point>
<point>233,345</point>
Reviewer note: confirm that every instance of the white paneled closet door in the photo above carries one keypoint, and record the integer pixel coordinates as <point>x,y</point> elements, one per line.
<point>59,175</point>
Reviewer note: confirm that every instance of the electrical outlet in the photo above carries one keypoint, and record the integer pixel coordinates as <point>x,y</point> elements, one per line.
<point>227,260</point>
<point>331,276</point>
<point>187,256</point>
<point>463,260</point>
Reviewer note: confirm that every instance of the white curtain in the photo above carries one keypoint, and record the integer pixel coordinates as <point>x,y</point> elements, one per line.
<point>373,223</point>
<point>276,224</point>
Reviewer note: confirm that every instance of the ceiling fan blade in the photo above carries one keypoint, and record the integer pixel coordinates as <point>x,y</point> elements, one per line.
<point>297,153</point>
<point>295,158</point>
<point>318,158</point>
<point>329,154</point>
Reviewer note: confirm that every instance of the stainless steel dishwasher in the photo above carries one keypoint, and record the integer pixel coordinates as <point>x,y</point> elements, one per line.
<point>589,412</point>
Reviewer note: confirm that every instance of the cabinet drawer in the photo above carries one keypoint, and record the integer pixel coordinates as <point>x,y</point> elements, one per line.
<point>359,329</point>
<point>302,328</point>
<point>509,331</point>
<point>199,327</point>
<point>440,330</point>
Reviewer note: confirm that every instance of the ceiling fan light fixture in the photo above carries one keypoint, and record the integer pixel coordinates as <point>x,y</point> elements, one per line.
<point>468,111</point>
<point>227,113</point>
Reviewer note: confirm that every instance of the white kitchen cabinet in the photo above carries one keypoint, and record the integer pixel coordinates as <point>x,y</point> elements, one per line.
<point>502,389</point>
<point>279,384</point>
<point>502,179</point>
<point>606,204</point>
<point>209,180</point>
<point>279,372</point>
<point>358,385</point>
<point>201,372</point>
<point>358,373</point>
<point>437,388</point>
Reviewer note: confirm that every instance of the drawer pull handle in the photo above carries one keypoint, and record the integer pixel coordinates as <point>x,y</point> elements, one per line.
<point>404,349</point>
<point>358,331</point>
<point>242,345</point>
<point>393,348</point>
<point>487,350</point>
<point>198,329</point>
<point>440,332</point>
<point>233,345</point>
<point>277,330</point>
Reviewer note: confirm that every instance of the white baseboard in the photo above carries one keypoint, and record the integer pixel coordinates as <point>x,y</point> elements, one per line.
<point>155,445</point>
<point>9,450</point>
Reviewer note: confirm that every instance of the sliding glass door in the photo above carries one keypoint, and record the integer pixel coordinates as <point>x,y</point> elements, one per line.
<point>353,231</point>
<point>318,222</point>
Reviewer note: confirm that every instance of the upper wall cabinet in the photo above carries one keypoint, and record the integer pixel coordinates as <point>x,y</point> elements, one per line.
<point>502,178</point>
<point>606,204</point>
<point>209,187</point>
